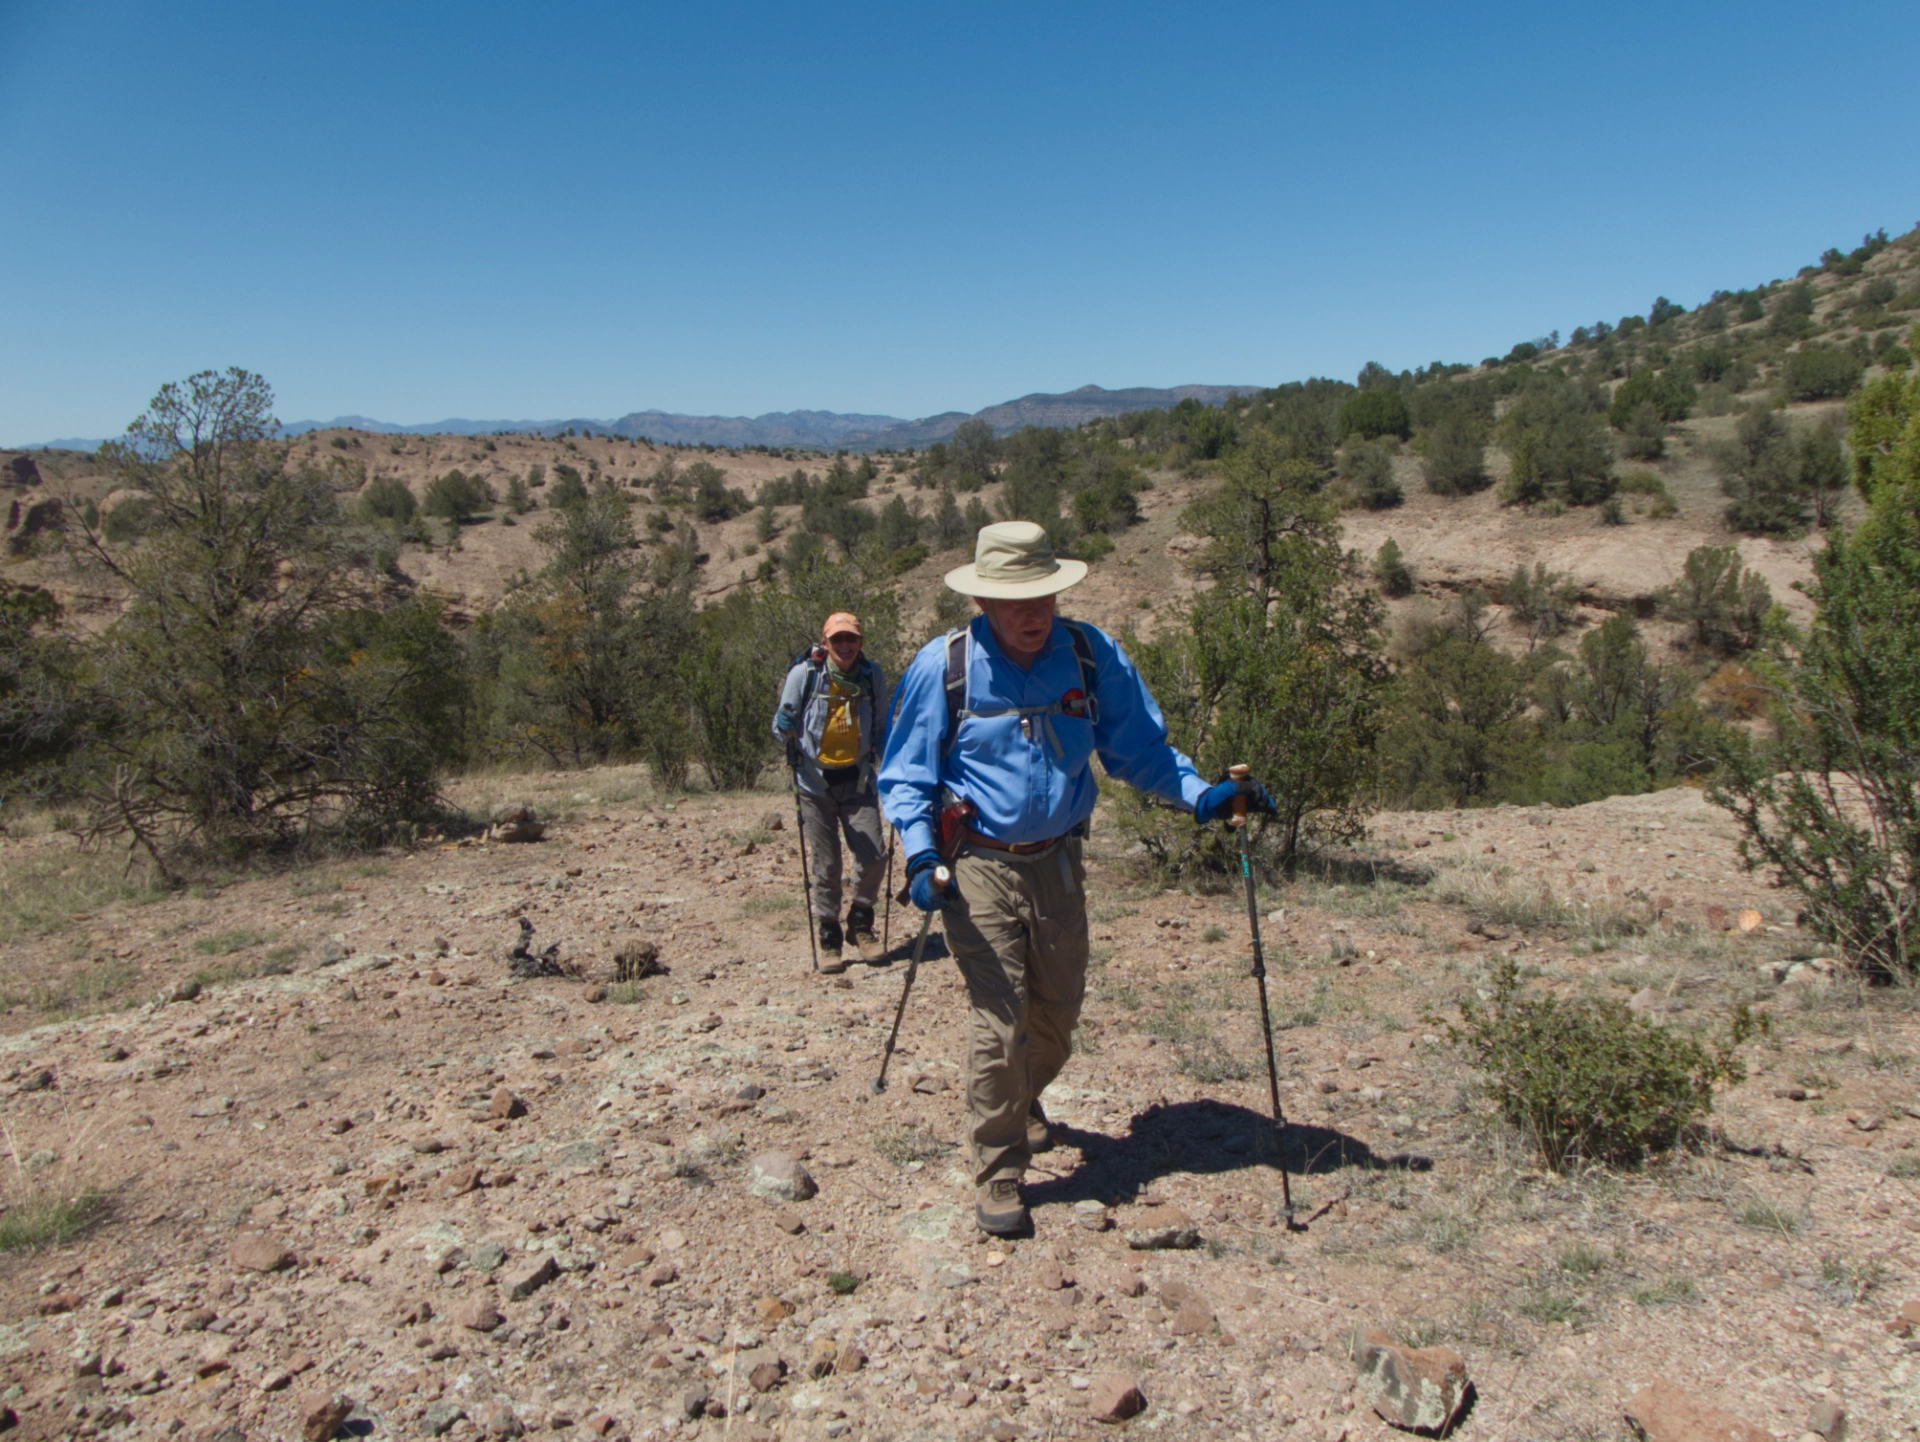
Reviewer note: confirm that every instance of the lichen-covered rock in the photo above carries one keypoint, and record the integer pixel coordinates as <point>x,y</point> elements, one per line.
<point>1416,1388</point>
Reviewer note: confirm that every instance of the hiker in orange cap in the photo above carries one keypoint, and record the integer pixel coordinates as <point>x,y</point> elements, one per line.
<point>832,720</point>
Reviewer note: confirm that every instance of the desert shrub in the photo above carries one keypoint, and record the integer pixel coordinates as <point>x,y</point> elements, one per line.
<point>570,487</point>
<point>1585,1079</point>
<point>1710,363</point>
<point>457,496</point>
<point>1883,431</point>
<point>1391,571</point>
<point>1830,803</point>
<point>1367,468</point>
<point>729,692</point>
<point>1459,730</point>
<point>1823,470</point>
<point>580,660</point>
<point>246,695</point>
<point>519,498</point>
<point>1278,664</point>
<point>1791,314</point>
<point>1559,447</point>
<point>1454,462</point>
<point>1725,605</point>
<point>1760,474</point>
<point>1643,436</point>
<point>39,698</point>
<point>1817,374</point>
<point>1670,397</point>
<point>1370,414</point>
<point>387,498</point>
<point>713,499</point>
<point>1543,604</point>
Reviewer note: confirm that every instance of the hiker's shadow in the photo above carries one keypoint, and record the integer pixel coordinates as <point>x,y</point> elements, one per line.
<point>1204,1138</point>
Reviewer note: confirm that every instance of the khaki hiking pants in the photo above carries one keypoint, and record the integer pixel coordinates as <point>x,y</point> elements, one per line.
<point>1019,932</point>
<point>843,809</point>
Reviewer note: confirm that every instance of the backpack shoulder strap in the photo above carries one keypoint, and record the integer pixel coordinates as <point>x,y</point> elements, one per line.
<point>812,683</point>
<point>956,684</point>
<point>1089,671</point>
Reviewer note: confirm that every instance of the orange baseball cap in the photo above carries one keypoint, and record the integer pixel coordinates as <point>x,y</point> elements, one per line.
<point>839,623</point>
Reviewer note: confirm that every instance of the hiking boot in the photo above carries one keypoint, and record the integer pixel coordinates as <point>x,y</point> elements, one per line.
<point>830,961</point>
<point>997,1208</point>
<point>860,933</point>
<point>1039,1130</point>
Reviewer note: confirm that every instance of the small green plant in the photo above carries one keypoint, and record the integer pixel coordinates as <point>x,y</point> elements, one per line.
<point>1849,1284</point>
<point>1767,1216</point>
<point>626,993</point>
<point>1213,934</point>
<point>220,943</point>
<point>35,1218</point>
<point>1580,1260</point>
<point>1551,1306</point>
<point>1664,1292</point>
<point>844,1284</point>
<point>901,1145</point>
<point>1586,1079</point>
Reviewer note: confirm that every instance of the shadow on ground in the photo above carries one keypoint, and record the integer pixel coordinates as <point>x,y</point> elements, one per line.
<point>1204,1138</point>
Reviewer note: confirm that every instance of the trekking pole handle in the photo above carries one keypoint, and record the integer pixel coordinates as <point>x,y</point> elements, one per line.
<point>1239,772</point>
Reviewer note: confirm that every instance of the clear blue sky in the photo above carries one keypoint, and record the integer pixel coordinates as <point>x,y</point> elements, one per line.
<point>416,211</point>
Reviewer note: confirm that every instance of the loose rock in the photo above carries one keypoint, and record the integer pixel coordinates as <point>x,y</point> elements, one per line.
<point>1666,1413</point>
<point>530,1278</point>
<point>322,1414</point>
<point>1413,1388</point>
<point>1114,1398</point>
<point>1161,1229</point>
<point>778,1176</point>
<point>258,1252</point>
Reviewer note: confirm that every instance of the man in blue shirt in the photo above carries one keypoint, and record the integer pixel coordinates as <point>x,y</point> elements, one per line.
<point>988,765</point>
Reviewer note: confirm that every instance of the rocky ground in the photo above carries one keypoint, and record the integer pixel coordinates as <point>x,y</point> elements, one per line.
<point>357,1174</point>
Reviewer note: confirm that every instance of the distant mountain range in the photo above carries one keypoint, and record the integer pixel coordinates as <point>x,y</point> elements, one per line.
<point>799,430</point>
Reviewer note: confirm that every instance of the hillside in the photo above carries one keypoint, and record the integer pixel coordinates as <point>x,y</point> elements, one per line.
<point>306,1141</point>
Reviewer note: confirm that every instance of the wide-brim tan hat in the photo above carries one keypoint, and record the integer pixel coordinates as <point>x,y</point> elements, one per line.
<point>1013,562</point>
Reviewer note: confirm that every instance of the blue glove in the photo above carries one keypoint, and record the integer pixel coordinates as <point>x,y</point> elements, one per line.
<point>922,885</point>
<point>785,722</point>
<point>1216,803</point>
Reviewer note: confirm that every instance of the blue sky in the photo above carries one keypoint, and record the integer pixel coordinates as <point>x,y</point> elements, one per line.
<point>417,211</point>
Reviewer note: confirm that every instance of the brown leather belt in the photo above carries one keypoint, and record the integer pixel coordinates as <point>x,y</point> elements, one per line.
<point>1016,848</point>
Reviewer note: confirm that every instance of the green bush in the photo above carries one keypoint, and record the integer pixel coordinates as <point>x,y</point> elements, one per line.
<point>1818,374</point>
<point>1588,1081</point>
<point>1671,397</point>
<point>1559,448</point>
<point>387,498</point>
<point>245,696</point>
<point>1454,459</point>
<point>1391,571</point>
<point>1792,312</point>
<point>1278,665</point>
<point>1723,604</point>
<point>1367,468</point>
<point>1760,475</point>
<point>1371,414</point>
<point>457,496</point>
<point>1830,803</point>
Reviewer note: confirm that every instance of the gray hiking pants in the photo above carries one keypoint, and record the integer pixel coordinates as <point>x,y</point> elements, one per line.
<point>843,809</point>
<point>1019,932</point>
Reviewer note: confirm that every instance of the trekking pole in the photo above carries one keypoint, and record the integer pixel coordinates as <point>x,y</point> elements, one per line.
<point>886,926</point>
<point>806,873</point>
<point>1239,823</point>
<point>942,879</point>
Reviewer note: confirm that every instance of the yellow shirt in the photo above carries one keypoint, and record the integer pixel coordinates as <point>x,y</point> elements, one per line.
<point>840,739</point>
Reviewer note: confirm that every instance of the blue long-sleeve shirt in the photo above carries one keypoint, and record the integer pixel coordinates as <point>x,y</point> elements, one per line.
<point>1022,788</point>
